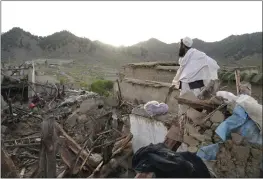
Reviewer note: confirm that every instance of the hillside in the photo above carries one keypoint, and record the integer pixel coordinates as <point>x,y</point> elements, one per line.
<point>18,44</point>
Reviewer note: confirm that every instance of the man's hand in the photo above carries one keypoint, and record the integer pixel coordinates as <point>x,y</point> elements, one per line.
<point>171,88</point>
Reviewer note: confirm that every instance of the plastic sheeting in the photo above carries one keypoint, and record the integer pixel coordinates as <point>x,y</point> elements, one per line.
<point>240,123</point>
<point>208,152</point>
<point>250,105</point>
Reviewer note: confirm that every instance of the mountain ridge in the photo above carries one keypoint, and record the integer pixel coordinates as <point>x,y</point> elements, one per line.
<point>20,44</point>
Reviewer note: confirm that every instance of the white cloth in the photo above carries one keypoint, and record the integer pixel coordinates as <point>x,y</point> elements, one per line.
<point>196,65</point>
<point>248,103</point>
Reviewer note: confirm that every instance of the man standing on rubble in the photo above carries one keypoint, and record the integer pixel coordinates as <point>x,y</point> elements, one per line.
<point>196,70</point>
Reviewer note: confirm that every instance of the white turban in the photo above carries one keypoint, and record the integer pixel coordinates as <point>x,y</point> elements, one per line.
<point>188,42</point>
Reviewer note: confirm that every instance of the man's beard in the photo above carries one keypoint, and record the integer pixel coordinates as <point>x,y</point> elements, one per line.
<point>181,52</point>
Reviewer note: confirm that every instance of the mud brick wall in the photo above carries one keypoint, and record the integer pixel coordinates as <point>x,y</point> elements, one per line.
<point>236,157</point>
<point>155,73</point>
<point>143,92</point>
<point>201,134</point>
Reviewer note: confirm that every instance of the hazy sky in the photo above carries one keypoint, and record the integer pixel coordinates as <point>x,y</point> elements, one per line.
<point>127,23</point>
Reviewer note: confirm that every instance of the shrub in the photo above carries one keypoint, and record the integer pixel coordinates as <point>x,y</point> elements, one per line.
<point>84,85</point>
<point>63,80</point>
<point>257,79</point>
<point>102,87</point>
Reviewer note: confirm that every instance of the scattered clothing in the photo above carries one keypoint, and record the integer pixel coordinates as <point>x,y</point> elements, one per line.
<point>248,103</point>
<point>165,163</point>
<point>155,108</point>
<point>32,105</point>
<point>240,123</point>
<point>208,152</point>
<point>252,108</point>
<point>227,96</point>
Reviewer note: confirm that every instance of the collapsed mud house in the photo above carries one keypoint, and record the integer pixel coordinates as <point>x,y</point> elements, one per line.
<point>65,133</point>
<point>81,134</point>
<point>143,82</point>
<point>11,75</point>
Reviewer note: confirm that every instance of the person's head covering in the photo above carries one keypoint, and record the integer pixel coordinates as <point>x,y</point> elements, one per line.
<point>188,42</point>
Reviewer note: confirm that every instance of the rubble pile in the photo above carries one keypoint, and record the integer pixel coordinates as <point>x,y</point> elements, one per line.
<point>238,159</point>
<point>67,133</point>
<point>203,133</point>
<point>238,156</point>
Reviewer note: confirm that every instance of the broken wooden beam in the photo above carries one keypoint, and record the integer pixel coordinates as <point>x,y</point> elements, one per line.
<point>197,103</point>
<point>8,168</point>
<point>113,164</point>
<point>93,160</point>
<point>237,77</point>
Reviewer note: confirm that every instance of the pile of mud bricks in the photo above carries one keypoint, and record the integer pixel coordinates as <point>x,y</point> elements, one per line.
<point>236,157</point>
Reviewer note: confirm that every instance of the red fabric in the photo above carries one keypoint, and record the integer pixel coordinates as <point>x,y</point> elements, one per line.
<point>32,105</point>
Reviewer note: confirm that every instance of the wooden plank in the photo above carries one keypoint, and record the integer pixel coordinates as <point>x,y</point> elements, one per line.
<point>237,76</point>
<point>75,147</point>
<point>8,168</point>
<point>197,104</point>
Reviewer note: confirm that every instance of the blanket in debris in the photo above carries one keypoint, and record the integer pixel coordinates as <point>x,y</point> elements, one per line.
<point>165,163</point>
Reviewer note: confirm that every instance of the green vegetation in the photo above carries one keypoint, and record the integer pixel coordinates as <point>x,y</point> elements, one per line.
<point>63,80</point>
<point>84,85</point>
<point>253,78</point>
<point>102,87</point>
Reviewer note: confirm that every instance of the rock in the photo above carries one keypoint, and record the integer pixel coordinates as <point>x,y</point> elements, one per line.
<point>4,129</point>
<point>190,140</point>
<point>241,154</point>
<point>97,158</point>
<point>82,119</point>
<point>193,131</point>
<point>256,162</point>
<point>208,132</point>
<point>72,119</point>
<point>125,129</point>
<point>216,138</point>
<point>214,126</point>
<point>67,110</point>
<point>236,138</point>
<point>256,153</point>
<point>90,104</point>
<point>218,117</point>
<point>208,124</point>
<point>192,149</point>
<point>200,137</point>
<point>240,171</point>
<point>79,139</point>
<point>182,148</point>
<point>3,103</point>
<point>206,143</point>
<point>111,101</point>
<point>196,116</point>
